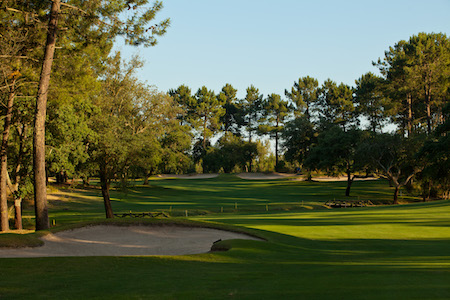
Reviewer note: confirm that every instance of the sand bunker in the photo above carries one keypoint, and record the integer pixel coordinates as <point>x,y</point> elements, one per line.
<point>106,240</point>
<point>188,176</point>
<point>263,176</point>
<point>341,178</point>
<point>270,176</point>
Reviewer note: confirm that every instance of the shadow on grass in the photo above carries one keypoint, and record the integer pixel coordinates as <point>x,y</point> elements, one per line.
<point>286,267</point>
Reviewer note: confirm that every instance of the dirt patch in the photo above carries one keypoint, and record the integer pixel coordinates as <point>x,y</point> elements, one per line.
<point>107,240</point>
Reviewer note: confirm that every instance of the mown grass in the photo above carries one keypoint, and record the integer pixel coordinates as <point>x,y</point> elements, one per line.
<point>227,194</point>
<point>388,252</point>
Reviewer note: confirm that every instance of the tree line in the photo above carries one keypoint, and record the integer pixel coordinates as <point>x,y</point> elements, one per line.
<point>337,128</point>
<point>57,73</point>
<point>102,121</point>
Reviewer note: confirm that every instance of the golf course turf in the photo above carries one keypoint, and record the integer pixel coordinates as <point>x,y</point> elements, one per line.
<point>310,252</point>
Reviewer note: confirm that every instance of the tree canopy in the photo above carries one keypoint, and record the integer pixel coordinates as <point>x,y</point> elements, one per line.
<point>96,118</point>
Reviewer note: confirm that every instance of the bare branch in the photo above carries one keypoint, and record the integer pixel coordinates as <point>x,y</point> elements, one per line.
<point>24,83</point>
<point>9,184</point>
<point>19,85</point>
<point>86,13</point>
<point>19,11</point>
<point>153,28</point>
<point>384,176</point>
<point>25,96</point>
<point>5,77</point>
<point>416,170</point>
<point>15,56</point>
<point>74,7</point>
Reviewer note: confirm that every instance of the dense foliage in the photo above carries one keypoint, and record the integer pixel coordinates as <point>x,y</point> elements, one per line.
<point>104,122</point>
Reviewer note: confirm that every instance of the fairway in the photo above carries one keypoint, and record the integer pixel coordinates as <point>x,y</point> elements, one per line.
<point>197,150</point>
<point>226,193</point>
<point>382,252</point>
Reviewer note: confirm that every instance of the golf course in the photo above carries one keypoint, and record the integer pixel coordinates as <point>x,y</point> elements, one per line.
<point>157,149</point>
<point>301,249</point>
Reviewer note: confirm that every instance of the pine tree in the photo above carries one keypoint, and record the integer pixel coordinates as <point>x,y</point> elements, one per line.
<point>304,95</point>
<point>275,111</point>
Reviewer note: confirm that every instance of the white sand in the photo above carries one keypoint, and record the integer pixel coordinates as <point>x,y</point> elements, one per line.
<point>270,176</point>
<point>263,176</point>
<point>341,178</point>
<point>106,240</point>
<point>188,176</point>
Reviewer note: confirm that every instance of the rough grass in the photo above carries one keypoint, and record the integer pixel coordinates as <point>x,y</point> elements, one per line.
<point>388,252</point>
<point>17,240</point>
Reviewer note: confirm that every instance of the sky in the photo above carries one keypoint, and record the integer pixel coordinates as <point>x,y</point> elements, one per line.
<point>271,44</point>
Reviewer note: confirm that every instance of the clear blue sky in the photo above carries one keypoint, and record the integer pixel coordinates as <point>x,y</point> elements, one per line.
<point>270,44</point>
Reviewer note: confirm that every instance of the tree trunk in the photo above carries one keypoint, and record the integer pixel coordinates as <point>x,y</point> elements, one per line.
<point>249,127</point>
<point>4,222</point>
<point>409,121</point>
<point>396,194</point>
<point>17,201</point>
<point>22,133</point>
<point>276,151</point>
<point>204,133</point>
<point>105,193</point>
<point>15,187</point>
<point>428,105</point>
<point>86,180</point>
<point>308,116</point>
<point>18,213</point>
<point>147,176</point>
<point>373,122</point>
<point>40,192</point>
<point>276,147</point>
<point>427,186</point>
<point>349,184</point>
